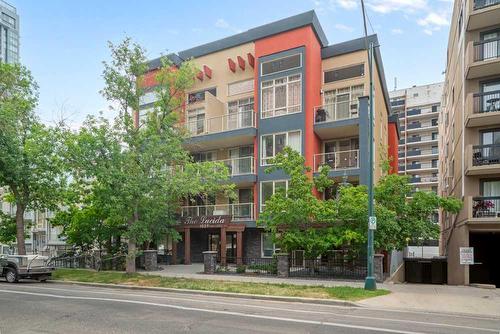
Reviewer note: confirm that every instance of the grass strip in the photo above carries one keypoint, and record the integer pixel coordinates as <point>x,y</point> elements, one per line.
<point>268,289</point>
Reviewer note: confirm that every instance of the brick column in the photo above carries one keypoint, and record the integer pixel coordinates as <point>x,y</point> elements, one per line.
<point>283,265</point>
<point>223,246</point>
<point>239,247</point>
<point>187,246</point>
<point>209,262</point>
<point>378,261</point>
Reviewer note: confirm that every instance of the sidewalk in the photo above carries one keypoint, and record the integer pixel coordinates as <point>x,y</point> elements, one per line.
<point>417,297</point>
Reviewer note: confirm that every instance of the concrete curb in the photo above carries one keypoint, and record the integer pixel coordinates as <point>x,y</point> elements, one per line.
<point>335,302</point>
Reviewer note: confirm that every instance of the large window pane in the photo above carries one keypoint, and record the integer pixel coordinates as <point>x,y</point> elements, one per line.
<point>280,143</point>
<point>294,141</point>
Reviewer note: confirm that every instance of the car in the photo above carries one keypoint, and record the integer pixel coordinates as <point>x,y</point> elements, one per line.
<point>16,267</point>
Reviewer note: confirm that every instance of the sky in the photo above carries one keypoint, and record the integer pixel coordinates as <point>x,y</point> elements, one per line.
<point>64,42</point>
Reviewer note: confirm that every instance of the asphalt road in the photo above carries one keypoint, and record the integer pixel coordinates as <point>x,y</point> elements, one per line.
<point>59,308</point>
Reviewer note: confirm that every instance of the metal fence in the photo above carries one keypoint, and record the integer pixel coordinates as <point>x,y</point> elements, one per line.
<point>486,207</point>
<point>89,262</point>
<point>334,265</point>
<point>485,155</point>
<point>245,265</point>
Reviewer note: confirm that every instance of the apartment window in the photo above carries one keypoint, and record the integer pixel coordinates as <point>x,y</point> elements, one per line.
<point>342,102</point>
<point>268,248</point>
<point>10,21</point>
<point>240,113</point>
<point>240,87</point>
<point>434,122</point>
<point>434,109</point>
<point>205,156</point>
<point>196,121</point>
<point>434,136</point>
<point>148,97</point>
<point>281,64</point>
<point>281,96</point>
<point>344,73</point>
<point>200,95</point>
<point>275,143</point>
<point>269,188</point>
<point>434,163</point>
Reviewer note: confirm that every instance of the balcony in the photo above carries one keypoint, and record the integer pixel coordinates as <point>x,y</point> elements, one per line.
<point>420,153</point>
<point>482,159</point>
<point>337,160</point>
<point>424,180</point>
<point>416,167</point>
<point>483,109</point>
<point>241,170</point>
<point>484,13</point>
<point>328,118</point>
<point>483,58</point>
<point>214,132</point>
<point>483,209</point>
<point>417,140</point>
<point>238,212</point>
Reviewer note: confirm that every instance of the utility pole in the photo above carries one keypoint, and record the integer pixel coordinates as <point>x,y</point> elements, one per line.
<point>370,282</point>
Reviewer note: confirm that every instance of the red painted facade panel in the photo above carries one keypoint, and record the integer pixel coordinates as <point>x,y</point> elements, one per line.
<point>393,147</point>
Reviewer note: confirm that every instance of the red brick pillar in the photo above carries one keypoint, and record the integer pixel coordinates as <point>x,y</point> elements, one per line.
<point>187,246</point>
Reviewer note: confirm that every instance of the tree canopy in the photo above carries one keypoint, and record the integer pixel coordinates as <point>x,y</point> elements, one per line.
<point>298,219</point>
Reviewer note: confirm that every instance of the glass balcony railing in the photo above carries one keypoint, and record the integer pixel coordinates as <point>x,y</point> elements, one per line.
<point>486,102</point>
<point>226,122</point>
<point>484,155</point>
<point>336,111</point>
<point>486,207</point>
<point>337,160</point>
<point>240,166</point>
<point>488,49</point>
<point>238,211</point>
<point>479,4</point>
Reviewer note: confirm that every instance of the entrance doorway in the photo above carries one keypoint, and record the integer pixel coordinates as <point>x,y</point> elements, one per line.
<point>486,249</point>
<point>214,244</point>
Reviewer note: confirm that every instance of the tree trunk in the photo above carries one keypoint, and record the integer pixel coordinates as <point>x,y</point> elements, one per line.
<point>132,247</point>
<point>21,247</point>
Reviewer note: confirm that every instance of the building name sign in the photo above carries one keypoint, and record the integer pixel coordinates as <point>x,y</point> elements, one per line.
<point>206,221</point>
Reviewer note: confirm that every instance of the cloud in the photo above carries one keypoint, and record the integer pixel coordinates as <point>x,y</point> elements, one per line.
<point>433,19</point>
<point>347,4</point>
<point>397,31</point>
<point>343,27</point>
<point>221,23</point>
<point>428,32</point>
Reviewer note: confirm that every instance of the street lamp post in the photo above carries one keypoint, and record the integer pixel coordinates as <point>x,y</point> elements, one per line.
<point>370,282</point>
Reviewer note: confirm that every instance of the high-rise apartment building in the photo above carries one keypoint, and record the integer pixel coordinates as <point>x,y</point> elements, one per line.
<point>277,85</point>
<point>470,142</point>
<point>418,109</point>
<point>9,33</point>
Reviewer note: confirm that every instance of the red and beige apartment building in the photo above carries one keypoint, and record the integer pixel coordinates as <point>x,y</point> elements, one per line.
<point>470,150</point>
<point>280,84</point>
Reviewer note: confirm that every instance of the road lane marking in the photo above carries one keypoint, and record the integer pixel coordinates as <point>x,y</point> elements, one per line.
<point>195,309</point>
<point>276,309</point>
<point>81,289</point>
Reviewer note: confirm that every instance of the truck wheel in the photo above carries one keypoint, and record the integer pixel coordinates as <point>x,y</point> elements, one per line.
<point>11,275</point>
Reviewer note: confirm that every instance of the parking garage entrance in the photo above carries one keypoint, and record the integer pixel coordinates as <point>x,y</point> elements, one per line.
<point>486,268</point>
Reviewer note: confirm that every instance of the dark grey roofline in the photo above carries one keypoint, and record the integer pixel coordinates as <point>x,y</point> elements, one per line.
<point>266,30</point>
<point>360,44</point>
<point>156,63</point>
<point>394,118</point>
<point>270,29</point>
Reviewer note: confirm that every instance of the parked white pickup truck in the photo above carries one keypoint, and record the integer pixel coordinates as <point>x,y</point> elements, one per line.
<point>16,267</point>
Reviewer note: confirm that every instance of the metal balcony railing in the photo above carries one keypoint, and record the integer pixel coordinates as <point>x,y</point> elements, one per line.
<point>226,122</point>
<point>479,4</point>
<point>483,155</point>
<point>238,211</point>
<point>337,160</point>
<point>486,102</point>
<point>240,166</point>
<point>488,49</point>
<point>486,207</point>
<point>336,111</point>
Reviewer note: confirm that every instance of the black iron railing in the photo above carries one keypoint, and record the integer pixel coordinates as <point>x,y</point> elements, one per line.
<point>333,265</point>
<point>246,265</point>
<point>488,49</point>
<point>483,155</point>
<point>486,102</point>
<point>479,4</point>
<point>116,262</point>
<point>485,207</point>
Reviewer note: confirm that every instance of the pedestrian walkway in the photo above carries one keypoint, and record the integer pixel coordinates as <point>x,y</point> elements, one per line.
<point>418,297</point>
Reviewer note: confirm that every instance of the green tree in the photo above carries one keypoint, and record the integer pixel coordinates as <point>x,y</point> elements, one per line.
<point>139,172</point>
<point>30,164</point>
<point>299,220</point>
